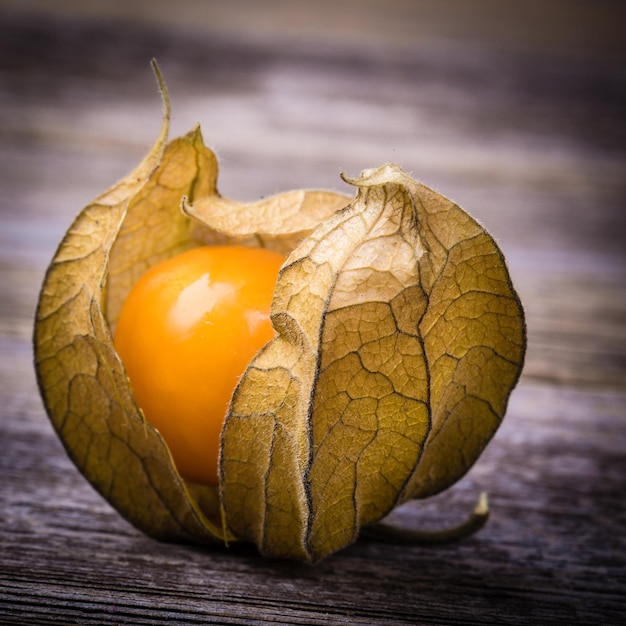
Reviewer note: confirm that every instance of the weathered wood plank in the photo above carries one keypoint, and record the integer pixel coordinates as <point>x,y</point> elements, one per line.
<point>553,549</point>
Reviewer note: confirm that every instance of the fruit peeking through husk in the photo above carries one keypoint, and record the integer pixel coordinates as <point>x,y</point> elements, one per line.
<point>397,339</point>
<point>185,334</point>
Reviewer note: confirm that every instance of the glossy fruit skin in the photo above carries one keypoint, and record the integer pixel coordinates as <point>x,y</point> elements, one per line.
<point>185,335</point>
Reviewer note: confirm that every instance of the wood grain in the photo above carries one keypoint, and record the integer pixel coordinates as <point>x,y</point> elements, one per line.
<point>528,137</point>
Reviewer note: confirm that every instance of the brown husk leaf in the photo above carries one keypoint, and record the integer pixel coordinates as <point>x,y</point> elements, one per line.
<point>399,340</point>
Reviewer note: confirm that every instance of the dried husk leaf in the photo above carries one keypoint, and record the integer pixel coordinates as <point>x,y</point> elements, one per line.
<point>279,223</point>
<point>400,338</point>
<point>81,379</point>
<point>90,402</point>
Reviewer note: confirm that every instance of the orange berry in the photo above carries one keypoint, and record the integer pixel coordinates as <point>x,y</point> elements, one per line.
<point>186,333</point>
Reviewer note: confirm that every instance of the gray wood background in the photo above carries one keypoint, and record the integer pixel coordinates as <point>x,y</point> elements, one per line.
<point>516,112</point>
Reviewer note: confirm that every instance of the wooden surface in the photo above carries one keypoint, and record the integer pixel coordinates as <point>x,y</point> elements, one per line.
<point>517,114</point>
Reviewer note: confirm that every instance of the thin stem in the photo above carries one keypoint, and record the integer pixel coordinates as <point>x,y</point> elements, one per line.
<point>165,94</point>
<point>385,533</point>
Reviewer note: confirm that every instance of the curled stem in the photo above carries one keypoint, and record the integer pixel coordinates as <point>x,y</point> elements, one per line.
<point>386,533</point>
